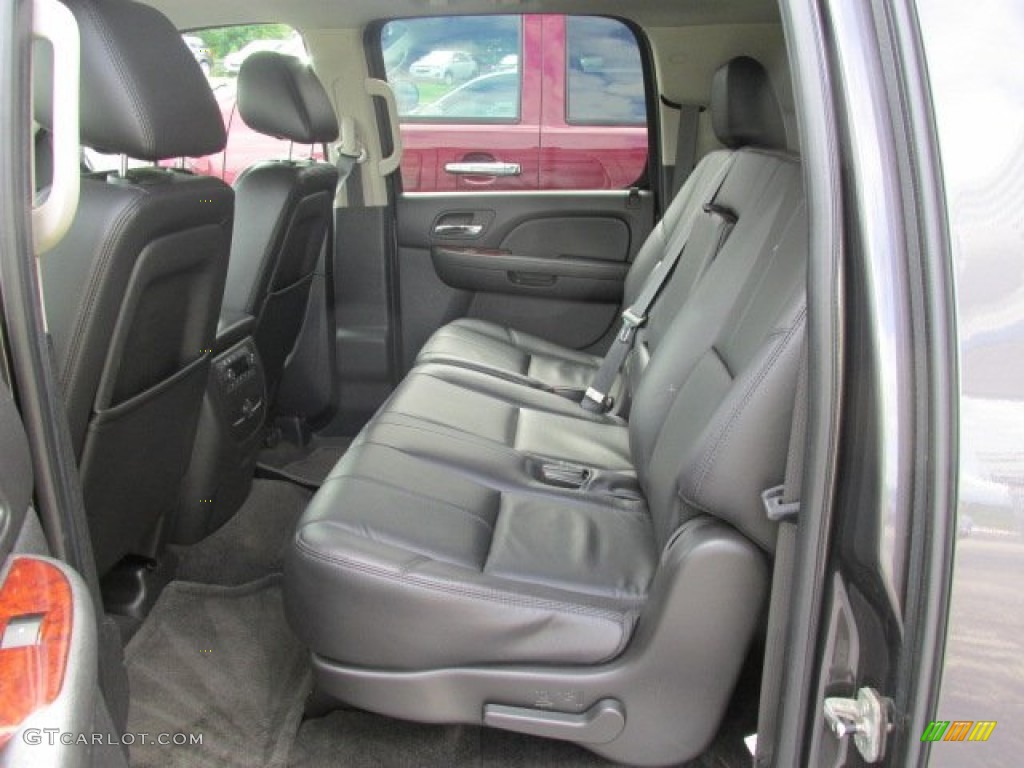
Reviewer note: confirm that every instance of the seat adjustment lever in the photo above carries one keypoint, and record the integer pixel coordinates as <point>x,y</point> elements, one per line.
<point>600,724</point>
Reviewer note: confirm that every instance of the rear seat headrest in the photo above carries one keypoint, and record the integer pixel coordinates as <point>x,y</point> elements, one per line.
<point>744,109</point>
<point>142,92</point>
<point>281,96</point>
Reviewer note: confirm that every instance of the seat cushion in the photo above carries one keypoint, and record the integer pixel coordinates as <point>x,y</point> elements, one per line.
<point>410,561</point>
<point>485,346</point>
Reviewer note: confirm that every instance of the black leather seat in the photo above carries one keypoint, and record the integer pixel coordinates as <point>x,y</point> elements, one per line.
<point>133,291</point>
<point>283,209</point>
<point>488,551</point>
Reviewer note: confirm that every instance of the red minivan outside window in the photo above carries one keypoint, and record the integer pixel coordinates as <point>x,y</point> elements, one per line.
<point>531,102</point>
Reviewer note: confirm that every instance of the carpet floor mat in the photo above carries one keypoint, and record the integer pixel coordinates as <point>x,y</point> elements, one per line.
<point>252,543</point>
<point>221,663</point>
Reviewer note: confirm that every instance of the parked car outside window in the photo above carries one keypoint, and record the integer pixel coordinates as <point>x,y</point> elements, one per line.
<point>488,97</point>
<point>448,66</point>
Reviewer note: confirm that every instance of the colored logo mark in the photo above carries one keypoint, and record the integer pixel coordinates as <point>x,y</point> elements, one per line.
<point>958,730</point>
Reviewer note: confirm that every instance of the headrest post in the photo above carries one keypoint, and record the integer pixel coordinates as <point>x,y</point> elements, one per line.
<point>123,165</point>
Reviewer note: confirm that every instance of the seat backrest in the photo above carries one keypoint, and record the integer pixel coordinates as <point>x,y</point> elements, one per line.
<point>745,115</point>
<point>713,378</point>
<point>283,209</point>
<point>133,291</point>
<point>711,414</point>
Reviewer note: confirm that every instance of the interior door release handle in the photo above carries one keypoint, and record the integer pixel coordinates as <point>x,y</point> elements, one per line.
<point>458,230</point>
<point>484,169</point>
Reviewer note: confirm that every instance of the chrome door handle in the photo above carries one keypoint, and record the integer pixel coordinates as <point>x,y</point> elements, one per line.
<point>458,230</point>
<point>484,169</point>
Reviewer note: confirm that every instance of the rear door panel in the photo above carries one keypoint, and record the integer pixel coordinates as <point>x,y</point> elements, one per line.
<point>48,638</point>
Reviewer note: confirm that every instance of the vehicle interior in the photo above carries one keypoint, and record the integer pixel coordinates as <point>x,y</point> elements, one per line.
<point>489,476</point>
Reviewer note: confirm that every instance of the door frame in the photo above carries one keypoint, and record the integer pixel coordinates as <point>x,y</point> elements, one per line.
<point>832,47</point>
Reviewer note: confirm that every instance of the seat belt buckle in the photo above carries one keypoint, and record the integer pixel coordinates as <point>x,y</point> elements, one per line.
<point>630,322</point>
<point>777,510</point>
<point>595,401</point>
<point>632,319</point>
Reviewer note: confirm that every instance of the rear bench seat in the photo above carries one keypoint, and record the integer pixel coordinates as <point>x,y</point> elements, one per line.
<point>488,551</point>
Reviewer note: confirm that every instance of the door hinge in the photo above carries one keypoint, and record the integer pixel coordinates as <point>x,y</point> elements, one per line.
<point>866,718</point>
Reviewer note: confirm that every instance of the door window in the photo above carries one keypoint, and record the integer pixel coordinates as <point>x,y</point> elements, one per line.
<point>490,97</point>
<point>604,74</point>
<point>517,102</point>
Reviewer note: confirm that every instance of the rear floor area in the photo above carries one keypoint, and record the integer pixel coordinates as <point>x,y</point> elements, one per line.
<point>308,464</point>
<point>216,657</point>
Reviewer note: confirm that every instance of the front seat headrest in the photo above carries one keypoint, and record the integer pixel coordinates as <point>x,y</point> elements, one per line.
<point>281,96</point>
<point>142,93</point>
<point>744,110</point>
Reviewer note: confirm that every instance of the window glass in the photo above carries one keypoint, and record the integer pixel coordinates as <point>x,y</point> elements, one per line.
<point>488,97</point>
<point>446,67</point>
<point>546,101</point>
<point>604,75</point>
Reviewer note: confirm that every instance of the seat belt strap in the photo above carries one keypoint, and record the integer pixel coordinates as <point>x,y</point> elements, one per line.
<point>686,144</point>
<point>781,504</point>
<point>345,164</point>
<point>596,398</point>
<point>350,154</point>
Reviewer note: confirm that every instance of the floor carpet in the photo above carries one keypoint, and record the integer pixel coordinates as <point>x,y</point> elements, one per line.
<point>253,542</point>
<point>219,662</point>
<point>356,739</point>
